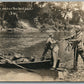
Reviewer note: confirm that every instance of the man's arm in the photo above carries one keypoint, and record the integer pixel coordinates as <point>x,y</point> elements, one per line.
<point>51,40</point>
<point>69,37</point>
<point>78,38</point>
<point>73,40</point>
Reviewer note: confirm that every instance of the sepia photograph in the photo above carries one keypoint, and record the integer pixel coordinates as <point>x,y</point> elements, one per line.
<point>42,41</point>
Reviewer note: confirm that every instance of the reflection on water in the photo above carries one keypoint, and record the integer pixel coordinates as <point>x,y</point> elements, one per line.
<point>18,41</point>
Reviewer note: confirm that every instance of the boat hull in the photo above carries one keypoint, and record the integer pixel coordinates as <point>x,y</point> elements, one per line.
<point>32,65</point>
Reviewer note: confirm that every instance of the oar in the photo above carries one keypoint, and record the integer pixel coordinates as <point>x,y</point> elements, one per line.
<point>30,70</point>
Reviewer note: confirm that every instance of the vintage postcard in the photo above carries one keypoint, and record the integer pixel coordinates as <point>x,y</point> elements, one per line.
<point>42,41</point>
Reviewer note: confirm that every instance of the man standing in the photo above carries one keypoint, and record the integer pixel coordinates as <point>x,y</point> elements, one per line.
<point>77,45</point>
<point>79,48</point>
<point>49,46</point>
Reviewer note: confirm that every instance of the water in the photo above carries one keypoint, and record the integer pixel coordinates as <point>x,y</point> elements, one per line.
<point>18,41</point>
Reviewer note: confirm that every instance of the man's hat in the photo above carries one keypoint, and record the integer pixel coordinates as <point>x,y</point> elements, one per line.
<point>51,35</point>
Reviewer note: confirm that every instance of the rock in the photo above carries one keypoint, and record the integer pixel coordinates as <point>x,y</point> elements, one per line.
<point>62,73</point>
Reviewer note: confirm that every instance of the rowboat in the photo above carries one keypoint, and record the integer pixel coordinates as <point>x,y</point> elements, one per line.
<point>31,65</point>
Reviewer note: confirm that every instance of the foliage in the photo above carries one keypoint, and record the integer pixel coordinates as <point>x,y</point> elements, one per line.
<point>50,15</point>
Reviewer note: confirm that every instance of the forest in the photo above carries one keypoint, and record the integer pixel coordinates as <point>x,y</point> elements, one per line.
<point>48,15</point>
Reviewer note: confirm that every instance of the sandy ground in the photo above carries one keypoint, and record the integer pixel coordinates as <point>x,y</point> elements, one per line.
<point>22,75</point>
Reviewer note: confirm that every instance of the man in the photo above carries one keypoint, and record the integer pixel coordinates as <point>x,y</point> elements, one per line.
<point>79,48</point>
<point>49,46</point>
<point>55,57</point>
<point>77,44</point>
